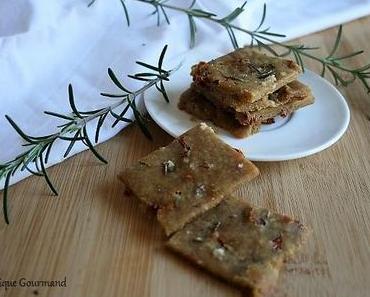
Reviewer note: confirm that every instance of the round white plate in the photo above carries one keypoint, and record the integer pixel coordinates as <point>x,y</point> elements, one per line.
<point>306,132</point>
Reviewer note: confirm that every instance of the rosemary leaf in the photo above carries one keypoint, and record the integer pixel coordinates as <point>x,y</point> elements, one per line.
<point>48,150</point>
<point>263,18</point>
<point>161,58</point>
<point>165,15</point>
<point>139,119</point>
<point>139,78</point>
<point>115,80</point>
<point>72,143</point>
<point>337,41</point>
<point>45,174</point>
<point>58,115</point>
<point>126,12</point>
<point>351,55</point>
<point>234,14</point>
<point>112,95</point>
<point>91,3</point>
<point>72,102</point>
<point>151,67</point>
<point>5,198</point>
<point>19,130</point>
<point>99,125</point>
<point>91,146</point>
<point>193,30</point>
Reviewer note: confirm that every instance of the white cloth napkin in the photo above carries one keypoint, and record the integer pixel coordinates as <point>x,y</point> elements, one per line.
<point>45,45</point>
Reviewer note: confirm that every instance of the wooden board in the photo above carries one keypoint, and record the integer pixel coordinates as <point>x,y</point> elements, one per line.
<point>107,245</point>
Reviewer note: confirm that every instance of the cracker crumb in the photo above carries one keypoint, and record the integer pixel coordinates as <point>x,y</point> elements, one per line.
<point>177,198</point>
<point>219,253</point>
<point>198,239</point>
<point>204,126</point>
<point>270,79</point>
<point>200,190</point>
<point>168,166</point>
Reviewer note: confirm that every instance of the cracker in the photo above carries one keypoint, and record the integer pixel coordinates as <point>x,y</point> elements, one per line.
<point>242,77</point>
<point>241,244</point>
<point>189,176</point>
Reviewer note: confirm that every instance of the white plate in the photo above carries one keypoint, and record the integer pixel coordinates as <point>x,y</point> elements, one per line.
<point>306,132</point>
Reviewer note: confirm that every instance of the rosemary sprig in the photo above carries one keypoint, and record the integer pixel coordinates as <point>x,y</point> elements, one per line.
<point>160,8</point>
<point>74,130</point>
<point>263,37</point>
<point>342,74</point>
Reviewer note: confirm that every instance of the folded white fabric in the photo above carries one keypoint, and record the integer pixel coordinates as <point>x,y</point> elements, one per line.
<point>45,45</point>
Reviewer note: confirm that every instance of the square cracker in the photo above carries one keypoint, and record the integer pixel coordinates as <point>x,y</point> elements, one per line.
<point>241,244</point>
<point>242,77</point>
<point>189,176</point>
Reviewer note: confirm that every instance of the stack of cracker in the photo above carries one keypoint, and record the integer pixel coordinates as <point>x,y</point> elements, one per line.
<point>243,90</point>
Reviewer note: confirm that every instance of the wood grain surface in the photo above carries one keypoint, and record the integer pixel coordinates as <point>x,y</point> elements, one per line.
<point>105,244</point>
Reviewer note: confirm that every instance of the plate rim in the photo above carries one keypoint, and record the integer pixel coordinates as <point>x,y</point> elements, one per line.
<point>292,156</point>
